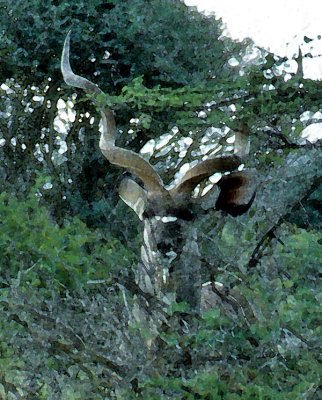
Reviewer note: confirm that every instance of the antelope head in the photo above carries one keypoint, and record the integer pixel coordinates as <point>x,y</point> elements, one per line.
<point>164,211</point>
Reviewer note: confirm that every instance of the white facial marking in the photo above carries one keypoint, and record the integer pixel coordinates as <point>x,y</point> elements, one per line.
<point>168,219</point>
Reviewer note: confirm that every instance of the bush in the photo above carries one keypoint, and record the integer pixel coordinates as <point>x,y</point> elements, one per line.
<point>34,248</point>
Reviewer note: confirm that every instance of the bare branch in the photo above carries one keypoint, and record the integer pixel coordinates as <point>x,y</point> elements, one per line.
<point>267,237</point>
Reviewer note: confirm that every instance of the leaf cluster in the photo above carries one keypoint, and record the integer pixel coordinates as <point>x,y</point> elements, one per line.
<point>141,39</point>
<point>35,250</point>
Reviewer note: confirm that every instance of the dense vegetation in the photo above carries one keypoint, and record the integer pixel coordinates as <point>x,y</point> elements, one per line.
<point>69,246</point>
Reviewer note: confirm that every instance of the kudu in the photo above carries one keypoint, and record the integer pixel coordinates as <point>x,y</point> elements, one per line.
<point>170,267</point>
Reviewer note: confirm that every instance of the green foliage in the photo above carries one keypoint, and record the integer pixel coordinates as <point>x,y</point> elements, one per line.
<point>311,213</point>
<point>143,38</point>
<point>274,358</point>
<point>36,250</point>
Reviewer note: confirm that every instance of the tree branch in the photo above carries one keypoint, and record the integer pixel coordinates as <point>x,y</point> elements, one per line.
<point>270,234</point>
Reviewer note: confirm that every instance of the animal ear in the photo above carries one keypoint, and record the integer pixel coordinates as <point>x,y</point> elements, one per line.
<point>237,192</point>
<point>134,196</point>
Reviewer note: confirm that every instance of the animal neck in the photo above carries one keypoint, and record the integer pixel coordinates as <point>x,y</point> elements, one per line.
<point>170,266</point>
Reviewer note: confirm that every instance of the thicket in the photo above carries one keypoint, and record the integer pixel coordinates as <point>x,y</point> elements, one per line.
<point>66,299</point>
